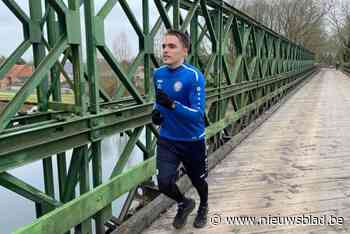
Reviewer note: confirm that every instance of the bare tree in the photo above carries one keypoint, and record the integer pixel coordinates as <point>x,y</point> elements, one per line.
<point>301,21</point>
<point>339,18</point>
<point>157,42</point>
<point>121,47</point>
<point>2,59</point>
<point>239,4</point>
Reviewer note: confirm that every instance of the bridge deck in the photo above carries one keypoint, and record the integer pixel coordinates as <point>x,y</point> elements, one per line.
<point>297,163</point>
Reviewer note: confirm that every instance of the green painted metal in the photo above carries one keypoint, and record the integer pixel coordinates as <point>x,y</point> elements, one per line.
<point>345,67</point>
<point>248,68</point>
<point>18,186</point>
<point>88,204</point>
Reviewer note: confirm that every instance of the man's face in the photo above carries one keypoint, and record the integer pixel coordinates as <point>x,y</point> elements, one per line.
<point>173,50</point>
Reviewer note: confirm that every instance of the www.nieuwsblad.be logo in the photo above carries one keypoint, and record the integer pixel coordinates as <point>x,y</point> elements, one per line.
<point>217,219</point>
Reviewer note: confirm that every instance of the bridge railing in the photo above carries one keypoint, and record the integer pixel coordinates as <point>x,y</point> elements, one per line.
<point>247,66</point>
<point>346,68</point>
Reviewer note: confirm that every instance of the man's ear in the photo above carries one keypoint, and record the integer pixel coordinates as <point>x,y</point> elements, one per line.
<point>186,51</point>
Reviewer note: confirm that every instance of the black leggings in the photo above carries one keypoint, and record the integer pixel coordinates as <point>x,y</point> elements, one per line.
<point>193,156</point>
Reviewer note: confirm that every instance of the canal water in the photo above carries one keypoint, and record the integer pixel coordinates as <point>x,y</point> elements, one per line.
<point>17,211</point>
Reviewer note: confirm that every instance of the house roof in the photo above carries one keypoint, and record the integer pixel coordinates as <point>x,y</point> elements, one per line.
<point>20,71</point>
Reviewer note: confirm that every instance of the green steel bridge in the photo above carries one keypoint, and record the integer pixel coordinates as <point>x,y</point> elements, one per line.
<point>249,69</point>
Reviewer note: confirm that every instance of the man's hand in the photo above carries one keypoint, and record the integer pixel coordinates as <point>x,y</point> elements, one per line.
<point>157,118</point>
<point>164,100</point>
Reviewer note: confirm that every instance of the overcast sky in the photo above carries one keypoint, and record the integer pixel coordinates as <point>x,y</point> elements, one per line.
<point>12,35</point>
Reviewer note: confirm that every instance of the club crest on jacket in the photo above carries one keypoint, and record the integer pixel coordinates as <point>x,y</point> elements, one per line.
<point>177,86</point>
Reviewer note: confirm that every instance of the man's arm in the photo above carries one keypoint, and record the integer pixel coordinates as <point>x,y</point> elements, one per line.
<point>157,117</point>
<point>194,112</point>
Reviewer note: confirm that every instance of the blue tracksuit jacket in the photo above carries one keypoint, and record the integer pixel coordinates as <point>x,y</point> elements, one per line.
<point>186,86</point>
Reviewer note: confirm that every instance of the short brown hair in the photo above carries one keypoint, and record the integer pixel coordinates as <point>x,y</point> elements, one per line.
<point>183,37</point>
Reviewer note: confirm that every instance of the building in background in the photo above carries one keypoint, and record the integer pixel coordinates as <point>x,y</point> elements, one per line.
<point>16,77</point>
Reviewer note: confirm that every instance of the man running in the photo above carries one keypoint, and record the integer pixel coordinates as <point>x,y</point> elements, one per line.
<point>179,110</point>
